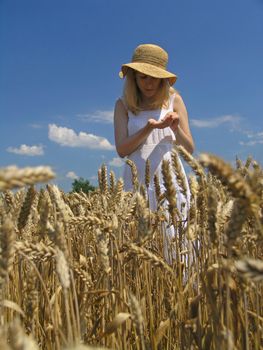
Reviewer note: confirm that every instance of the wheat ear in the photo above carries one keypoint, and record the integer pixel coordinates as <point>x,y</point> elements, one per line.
<point>13,177</point>
<point>135,181</point>
<point>7,239</point>
<point>250,268</point>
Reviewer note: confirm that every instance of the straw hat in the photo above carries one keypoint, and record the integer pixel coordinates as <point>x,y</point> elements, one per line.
<point>151,60</point>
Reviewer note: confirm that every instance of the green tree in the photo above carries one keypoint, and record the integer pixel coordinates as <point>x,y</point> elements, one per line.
<point>83,185</point>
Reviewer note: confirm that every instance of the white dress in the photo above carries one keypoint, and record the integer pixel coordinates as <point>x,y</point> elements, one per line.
<point>157,147</point>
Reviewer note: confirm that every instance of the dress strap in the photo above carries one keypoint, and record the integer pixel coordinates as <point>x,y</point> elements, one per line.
<point>171,101</point>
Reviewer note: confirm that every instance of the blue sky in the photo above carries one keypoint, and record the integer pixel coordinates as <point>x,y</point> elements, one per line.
<point>59,81</point>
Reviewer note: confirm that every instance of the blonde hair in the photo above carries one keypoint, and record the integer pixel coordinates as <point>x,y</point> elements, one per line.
<point>132,94</point>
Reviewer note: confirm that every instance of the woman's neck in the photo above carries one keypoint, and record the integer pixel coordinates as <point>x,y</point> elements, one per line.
<point>147,102</point>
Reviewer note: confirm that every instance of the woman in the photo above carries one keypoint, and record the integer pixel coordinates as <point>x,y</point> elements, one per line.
<point>149,118</point>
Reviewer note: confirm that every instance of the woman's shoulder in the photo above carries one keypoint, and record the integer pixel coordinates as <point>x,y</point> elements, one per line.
<point>174,93</point>
<point>177,98</point>
<point>120,103</point>
<point>176,101</point>
<point>120,108</point>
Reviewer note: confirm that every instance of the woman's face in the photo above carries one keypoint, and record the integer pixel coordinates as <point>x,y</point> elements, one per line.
<point>147,85</point>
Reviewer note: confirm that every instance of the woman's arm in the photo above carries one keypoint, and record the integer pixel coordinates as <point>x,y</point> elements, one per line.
<point>182,132</point>
<point>125,144</point>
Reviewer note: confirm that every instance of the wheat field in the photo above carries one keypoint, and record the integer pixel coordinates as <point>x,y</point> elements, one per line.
<point>94,271</point>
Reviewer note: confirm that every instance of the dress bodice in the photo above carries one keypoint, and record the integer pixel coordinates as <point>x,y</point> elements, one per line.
<point>136,122</point>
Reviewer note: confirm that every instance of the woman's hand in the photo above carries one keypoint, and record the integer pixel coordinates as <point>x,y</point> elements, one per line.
<point>154,124</point>
<point>171,119</point>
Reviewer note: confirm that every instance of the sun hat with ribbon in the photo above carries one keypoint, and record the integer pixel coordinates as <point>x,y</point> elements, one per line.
<point>151,60</point>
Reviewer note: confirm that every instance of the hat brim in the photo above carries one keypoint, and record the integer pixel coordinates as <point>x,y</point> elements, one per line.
<point>148,69</point>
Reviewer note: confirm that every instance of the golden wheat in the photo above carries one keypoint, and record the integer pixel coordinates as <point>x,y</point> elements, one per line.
<point>86,271</point>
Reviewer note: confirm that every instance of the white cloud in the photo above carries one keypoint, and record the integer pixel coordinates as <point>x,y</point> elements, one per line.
<point>257,134</point>
<point>215,122</point>
<point>105,117</point>
<point>36,126</point>
<point>68,137</point>
<point>255,139</point>
<point>116,162</point>
<point>27,150</point>
<point>251,143</point>
<point>72,175</point>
